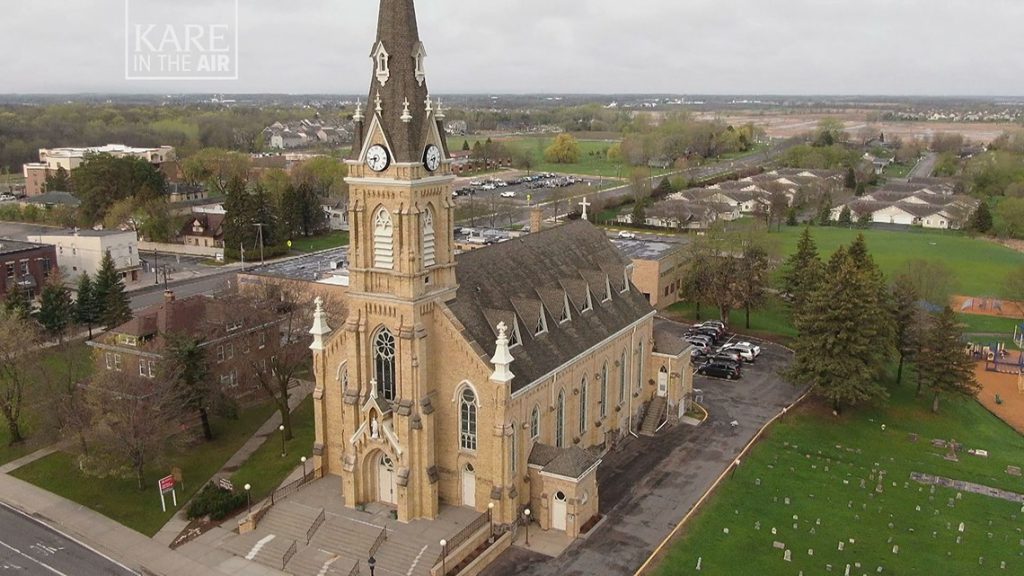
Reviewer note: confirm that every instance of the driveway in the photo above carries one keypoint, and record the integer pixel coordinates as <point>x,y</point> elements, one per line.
<point>647,485</point>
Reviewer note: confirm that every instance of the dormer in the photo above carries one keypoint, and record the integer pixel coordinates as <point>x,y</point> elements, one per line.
<point>380,62</point>
<point>566,310</point>
<point>419,56</point>
<point>542,324</point>
<point>588,305</point>
<point>607,289</point>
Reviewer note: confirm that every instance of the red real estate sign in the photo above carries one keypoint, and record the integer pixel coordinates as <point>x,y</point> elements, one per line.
<point>167,484</point>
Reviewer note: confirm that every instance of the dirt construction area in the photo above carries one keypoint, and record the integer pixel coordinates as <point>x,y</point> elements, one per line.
<point>1003,390</point>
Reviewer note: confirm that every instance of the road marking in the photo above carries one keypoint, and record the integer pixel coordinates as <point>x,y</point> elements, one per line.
<point>415,562</point>
<point>68,537</point>
<point>43,564</point>
<point>327,565</point>
<point>259,546</point>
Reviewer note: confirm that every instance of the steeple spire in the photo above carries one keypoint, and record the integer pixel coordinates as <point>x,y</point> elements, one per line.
<point>399,75</point>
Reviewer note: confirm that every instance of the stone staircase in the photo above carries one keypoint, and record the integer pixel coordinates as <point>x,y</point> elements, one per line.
<point>281,533</point>
<point>406,558</point>
<point>267,549</point>
<point>655,414</point>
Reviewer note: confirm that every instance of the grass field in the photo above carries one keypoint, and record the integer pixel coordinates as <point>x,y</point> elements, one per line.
<point>266,469</point>
<point>53,365</point>
<point>850,482</point>
<point>593,157</point>
<point>981,267</point>
<point>120,499</point>
<point>975,324</point>
<point>318,243</point>
<point>772,320</point>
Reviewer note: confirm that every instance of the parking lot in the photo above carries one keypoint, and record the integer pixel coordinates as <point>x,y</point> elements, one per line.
<point>520,187</point>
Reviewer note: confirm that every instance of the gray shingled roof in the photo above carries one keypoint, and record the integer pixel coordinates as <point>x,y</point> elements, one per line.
<point>570,462</point>
<point>668,337</point>
<point>521,274</point>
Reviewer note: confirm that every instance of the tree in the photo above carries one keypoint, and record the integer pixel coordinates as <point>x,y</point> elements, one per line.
<point>216,168</point>
<point>239,232</point>
<point>864,220</point>
<point>831,131</point>
<point>133,421</point>
<point>86,307</point>
<point>944,363</point>
<point>16,303</point>
<point>640,186</point>
<point>103,180</point>
<point>17,339</point>
<point>465,146</point>
<point>59,181</point>
<point>564,150</point>
<point>753,278</point>
<point>981,220</point>
<point>1009,218</point>
<point>185,366</point>
<point>825,212</point>
<point>838,353</point>
<point>933,280</point>
<point>791,217</point>
<point>110,297</point>
<point>802,272</point>
<point>664,188</point>
<point>56,311</point>
<point>851,178</point>
<point>905,316</point>
<point>845,217</point>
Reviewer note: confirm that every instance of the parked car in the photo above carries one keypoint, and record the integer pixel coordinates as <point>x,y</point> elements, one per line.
<point>746,349</point>
<point>7,198</point>
<point>508,194</point>
<point>699,340</point>
<point>712,324</point>
<point>726,359</point>
<point>627,235</point>
<point>715,335</point>
<point>733,355</point>
<point>719,370</point>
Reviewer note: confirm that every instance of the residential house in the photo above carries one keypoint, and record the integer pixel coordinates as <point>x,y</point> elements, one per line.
<point>203,229</point>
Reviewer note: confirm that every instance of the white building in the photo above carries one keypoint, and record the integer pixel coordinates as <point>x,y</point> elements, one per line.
<point>81,251</point>
<point>53,159</point>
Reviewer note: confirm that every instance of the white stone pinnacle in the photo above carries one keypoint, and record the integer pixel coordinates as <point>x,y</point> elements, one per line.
<point>502,357</point>
<point>406,116</point>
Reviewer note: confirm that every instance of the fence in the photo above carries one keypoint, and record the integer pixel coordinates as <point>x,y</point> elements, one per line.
<point>381,539</point>
<point>316,526</point>
<point>355,570</point>
<point>288,555</point>
<point>462,536</point>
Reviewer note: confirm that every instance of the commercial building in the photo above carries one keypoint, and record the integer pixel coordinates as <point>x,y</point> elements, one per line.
<point>80,251</point>
<point>25,266</point>
<point>53,159</point>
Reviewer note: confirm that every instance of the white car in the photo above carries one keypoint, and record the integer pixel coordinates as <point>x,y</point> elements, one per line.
<point>7,198</point>
<point>627,235</point>
<point>749,352</point>
<point>509,194</point>
<point>488,187</point>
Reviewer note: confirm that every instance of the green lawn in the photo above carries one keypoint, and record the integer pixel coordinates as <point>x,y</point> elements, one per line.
<point>50,367</point>
<point>120,498</point>
<point>819,464</point>
<point>896,170</point>
<point>772,320</point>
<point>975,324</point>
<point>266,469</point>
<point>318,243</point>
<point>980,267</point>
<point>593,157</point>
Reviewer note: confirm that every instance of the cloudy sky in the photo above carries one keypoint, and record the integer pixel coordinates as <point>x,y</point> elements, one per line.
<point>912,47</point>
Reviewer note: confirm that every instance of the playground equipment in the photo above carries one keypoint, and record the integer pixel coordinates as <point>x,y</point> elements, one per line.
<point>997,359</point>
<point>982,305</point>
<point>1018,335</point>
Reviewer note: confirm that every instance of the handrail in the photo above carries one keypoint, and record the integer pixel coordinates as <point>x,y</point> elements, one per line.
<point>316,525</point>
<point>462,536</point>
<point>381,539</point>
<point>286,491</point>
<point>288,554</point>
<point>355,570</point>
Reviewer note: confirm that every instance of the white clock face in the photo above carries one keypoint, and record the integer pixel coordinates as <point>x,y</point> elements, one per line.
<point>377,158</point>
<point>432,158</point>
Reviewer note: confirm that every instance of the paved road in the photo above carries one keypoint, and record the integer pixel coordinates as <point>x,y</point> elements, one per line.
<point>925,166</point>
<point>649,484</point>
<point>208,285</point>
<point>30,548</point>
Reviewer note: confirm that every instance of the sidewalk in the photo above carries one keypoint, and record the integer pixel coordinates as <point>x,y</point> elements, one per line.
<point>178,522</point>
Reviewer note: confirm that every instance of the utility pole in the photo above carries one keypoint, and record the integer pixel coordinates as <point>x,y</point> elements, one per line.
<point>260,228</point>
<point>156,269</point>
<point>241,252</point>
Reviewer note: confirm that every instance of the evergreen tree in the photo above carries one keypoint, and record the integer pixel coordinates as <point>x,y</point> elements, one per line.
<point>16,303</point>
<point>802,271</point>
<point>239,231</point>
<point>905,314</point>
<point>86,312</point>
<point>838,352</point>
<point>59,181</point>
<point>187,369</point>
<point>110,297</point>
<point>465,146</point>
<point>825,213</point>
<point>753,278</point>
<point>264,213</point>
<point>791,217</point>
<point>866,264</point>
<point>664,188</point>
<point>56,309</point>
<point>290,211</point>
<point>864,220</point>
<point>860,190</point>
<point>944,363</point>
<point>851,178</point>
<point>981,220</point>
<point>845,217</point>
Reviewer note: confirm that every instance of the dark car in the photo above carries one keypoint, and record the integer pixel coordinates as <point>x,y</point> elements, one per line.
<point>715,335</point>
<point>738,364</point>
<point>719,370</point>
<point>700,341</point>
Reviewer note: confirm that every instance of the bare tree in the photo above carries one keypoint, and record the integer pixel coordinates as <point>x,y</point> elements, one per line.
<point>18,336</point>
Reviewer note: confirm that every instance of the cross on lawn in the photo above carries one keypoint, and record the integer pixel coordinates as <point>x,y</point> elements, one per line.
<point>585,205</point>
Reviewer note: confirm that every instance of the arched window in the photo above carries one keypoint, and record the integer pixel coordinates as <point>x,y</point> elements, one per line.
<point>604,390</point>
<point>535,423</point>
<point>560,420</point>
<point>343,376</point>
<point>429,253</point>
<point>383,241</point>
<point>513,448</point>
<point>384,364</point>
<point>467,418</point>
<point>622,378</point>
<point>583,405</point>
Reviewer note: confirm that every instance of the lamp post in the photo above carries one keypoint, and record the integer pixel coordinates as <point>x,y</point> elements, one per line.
<point>527,514</point>
<point>283,451</point>
<point>490,519</point>
<point>248,497</point>
<point>444,558</point>
<point>372,563</point>
<point>735,467</point>
<point>303,468</point>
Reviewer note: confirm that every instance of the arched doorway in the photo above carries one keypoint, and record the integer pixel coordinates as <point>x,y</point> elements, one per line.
<point>469,486</point>
<point>558,511</point>
<point>387,482</point>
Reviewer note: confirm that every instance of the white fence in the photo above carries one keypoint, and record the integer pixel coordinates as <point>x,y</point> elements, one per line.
<point>182,249</point>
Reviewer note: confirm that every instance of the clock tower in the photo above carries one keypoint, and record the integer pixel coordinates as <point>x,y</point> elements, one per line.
<point>402,270</point>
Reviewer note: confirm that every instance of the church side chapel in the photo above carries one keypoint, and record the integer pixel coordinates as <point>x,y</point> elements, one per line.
<point>496,377</point>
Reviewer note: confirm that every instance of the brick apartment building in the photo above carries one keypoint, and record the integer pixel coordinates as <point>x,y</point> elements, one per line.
<point>235,342</point>
<point>25,265</point>
<point>53,159</point>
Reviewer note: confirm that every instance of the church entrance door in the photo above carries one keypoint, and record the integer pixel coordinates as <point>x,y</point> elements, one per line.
<point>469,486</point>
<point>386,481</point>
<point>663,382</point>
<point>558,511</point>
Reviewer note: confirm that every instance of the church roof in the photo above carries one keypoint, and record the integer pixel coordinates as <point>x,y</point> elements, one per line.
<point>570,462</point>
<point>530,276</point>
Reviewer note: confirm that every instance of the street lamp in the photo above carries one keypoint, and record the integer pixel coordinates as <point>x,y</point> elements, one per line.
<point>283,451</point>
<point>527,514</point>
<point>248,497</point>
<point>303,468</point>
<point>736,467</point>
<point>490,518</point>
<point>372,563</point>
<point>444,558</point>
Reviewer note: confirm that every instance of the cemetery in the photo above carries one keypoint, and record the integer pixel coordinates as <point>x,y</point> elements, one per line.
<point>891,490</point>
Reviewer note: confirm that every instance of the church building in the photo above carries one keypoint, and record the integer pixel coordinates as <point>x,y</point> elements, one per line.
<point>496,377</point>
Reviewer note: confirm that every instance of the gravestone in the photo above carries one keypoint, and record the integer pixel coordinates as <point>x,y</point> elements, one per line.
<point>810,551</point>
<point>841,544</point>
<point>699,560</point>
<point>1013,471</point>
<point>788,556</point>
<point>896,549</point>
<point>757,525</point>
<point>778,545</point>
<point>725,531</point>
<point>847,573</point>
<point>962,527</point>
<point>774,532</point>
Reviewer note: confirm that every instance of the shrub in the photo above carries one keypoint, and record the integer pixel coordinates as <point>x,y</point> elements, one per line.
<point>215,502</point>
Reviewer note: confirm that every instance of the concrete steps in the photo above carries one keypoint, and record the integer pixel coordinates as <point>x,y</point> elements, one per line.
<point>398,557</point>
<point>311,561</point>
<point>266,549</point>
<point>655,413</point>
<point>290,520</point>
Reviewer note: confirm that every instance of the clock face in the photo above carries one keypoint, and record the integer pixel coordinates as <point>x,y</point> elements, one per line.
<point>432,158</point>
<point>377,158</point>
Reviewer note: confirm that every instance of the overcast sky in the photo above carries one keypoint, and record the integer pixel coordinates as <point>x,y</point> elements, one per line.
<point>912,47</point>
